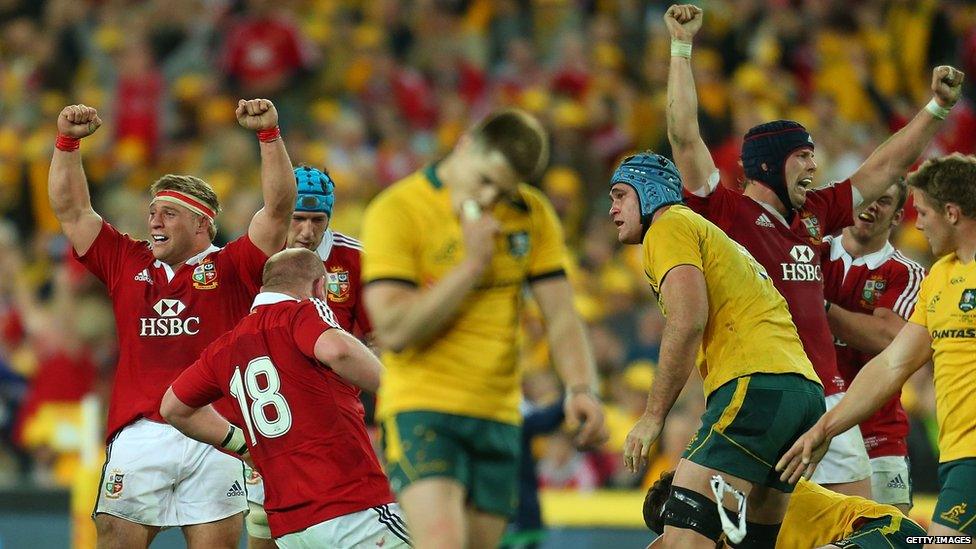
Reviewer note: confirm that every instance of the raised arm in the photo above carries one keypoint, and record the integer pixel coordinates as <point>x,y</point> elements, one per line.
<point>685,298</point>
<point>691,156</point>
<point>67,187</point>
<point>269,226</point>
<point>349,358</point>
<point>572,356</point>
<point>892,159</point>
<point>404,315</point>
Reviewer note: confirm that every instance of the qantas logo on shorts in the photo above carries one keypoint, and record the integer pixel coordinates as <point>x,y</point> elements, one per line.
<point>169,323</point>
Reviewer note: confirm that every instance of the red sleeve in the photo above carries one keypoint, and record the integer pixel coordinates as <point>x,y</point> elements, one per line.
<point>833,206</point>
<point>718,207</point>
<point>314,317</point>
<point>106,256</point>
<point>248,261</point>
<point>904,282</point>
<point>198,385</point>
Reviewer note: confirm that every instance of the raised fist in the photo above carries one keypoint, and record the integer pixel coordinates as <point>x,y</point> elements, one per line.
<point>947,85</point>
<point>256,114</point>
<point>683,21</point>
<point>78,121</point>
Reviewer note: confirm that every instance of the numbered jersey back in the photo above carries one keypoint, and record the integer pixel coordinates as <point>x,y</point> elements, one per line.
<point>304,424</point>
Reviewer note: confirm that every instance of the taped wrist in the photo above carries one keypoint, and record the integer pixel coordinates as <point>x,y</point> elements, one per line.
<point>235,441</point>
<point>690,510</point>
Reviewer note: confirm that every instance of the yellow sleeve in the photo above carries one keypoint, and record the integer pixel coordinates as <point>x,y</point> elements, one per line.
<point>388,245</point>
<point>920,316</point>
<point>672,240</point>
<point>547,253</point>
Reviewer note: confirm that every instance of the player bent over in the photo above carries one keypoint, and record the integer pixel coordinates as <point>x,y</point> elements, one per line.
<point>716,298</point>
<point>296,376</point>
<point>815,517</point>
<point>171,297</point>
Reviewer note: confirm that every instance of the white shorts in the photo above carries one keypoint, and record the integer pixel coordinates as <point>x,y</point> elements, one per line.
<point>155,475</point>
<point>890,481</point>
<point>846,459</point>
<point>381,526</point>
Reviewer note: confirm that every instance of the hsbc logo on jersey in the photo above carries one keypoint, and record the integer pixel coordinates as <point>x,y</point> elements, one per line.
<point>169,322</point>
<point>802,269</point>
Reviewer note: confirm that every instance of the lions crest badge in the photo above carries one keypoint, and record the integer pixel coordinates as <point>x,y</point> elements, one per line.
<point>113,484</point>
<point>205,275</point>
<point>337,284</point>
<point>873,287</point>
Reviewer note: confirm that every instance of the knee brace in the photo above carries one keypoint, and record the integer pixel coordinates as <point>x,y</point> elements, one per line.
<point>690,510</point>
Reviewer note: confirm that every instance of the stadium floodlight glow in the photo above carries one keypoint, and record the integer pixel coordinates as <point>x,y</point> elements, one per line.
<point>735,533</point>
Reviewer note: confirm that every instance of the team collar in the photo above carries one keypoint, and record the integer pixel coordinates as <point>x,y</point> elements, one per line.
<point>270,298</point>
<point>191,261</point>
<point>325,247</point>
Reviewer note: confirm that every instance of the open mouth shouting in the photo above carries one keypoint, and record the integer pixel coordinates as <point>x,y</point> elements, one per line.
<point>867,217</point>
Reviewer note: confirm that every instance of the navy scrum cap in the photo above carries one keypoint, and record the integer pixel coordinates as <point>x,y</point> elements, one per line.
<point>316,191</point>
<point>770,144</point>
<point>654,177</point>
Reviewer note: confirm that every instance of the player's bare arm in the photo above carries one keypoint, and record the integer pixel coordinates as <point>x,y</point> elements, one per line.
<point>684,297</point>
<point>874,385</point>
<point>572,357</point>
<point>892,159</point>
<point>404,316</point>
<point>67,185</point>
<point>349,358</point>
<point>866,333</point>
<point>269,226</point>
<point>203,424</point>
<point>690,153</point>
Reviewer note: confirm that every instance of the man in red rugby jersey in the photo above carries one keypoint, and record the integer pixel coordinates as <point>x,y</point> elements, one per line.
<point>871,290</point>
<point>296,376</point>
<point>781,219</point>
<point>172,296</point>
<point>341,255</point>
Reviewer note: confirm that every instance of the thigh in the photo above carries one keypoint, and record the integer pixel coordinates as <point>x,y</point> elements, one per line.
<point>421,445</point>
<point>118,533</point>
<point>495,459</point>
<point>956,506</point>
<point>435,511</point>
<point>211,486</point>
<point>484,529</point>
<point>141,469</point>
<point>891,482</point>
<point>219,534</point>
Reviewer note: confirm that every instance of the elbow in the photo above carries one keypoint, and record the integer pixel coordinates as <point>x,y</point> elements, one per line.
<point>168,408</point>
<point>336,352</point>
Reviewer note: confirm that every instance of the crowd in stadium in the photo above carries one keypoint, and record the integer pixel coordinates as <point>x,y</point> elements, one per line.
<point>373,91</point>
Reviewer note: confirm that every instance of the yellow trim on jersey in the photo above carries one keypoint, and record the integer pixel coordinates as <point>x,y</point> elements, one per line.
<point>735,404</point>
<point>393,447</point>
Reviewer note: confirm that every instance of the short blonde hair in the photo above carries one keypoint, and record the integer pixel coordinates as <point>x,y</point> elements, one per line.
<point>193,186</point>
<point>948,179</point>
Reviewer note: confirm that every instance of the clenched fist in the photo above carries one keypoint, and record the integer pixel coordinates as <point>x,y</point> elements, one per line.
<point>947,85</point>
<point>78,121</point>
<point>683,21</point>
<point>256,114</point>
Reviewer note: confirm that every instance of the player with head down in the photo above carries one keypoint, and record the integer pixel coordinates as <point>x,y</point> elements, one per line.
<point>341,256</point>
<point>717,298</point>
<point>782,219</point>
<point>171,296</point>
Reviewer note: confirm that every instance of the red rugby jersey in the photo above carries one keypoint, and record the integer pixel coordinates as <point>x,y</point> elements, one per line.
<point>791,256</point>
<point>304,423</point>
<point>342,257</point>
<point>164,319</point>
<point>887,279</point>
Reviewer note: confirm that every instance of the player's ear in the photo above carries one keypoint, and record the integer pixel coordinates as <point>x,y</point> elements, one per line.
<point>318,288</point>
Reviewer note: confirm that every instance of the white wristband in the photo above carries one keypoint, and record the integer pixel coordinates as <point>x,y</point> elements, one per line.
<point>934,109</point>
<point>680,48</point>
<point>235,441</point>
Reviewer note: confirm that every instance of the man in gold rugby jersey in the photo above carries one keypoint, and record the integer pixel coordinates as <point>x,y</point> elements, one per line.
<point>815,517</point>
<point>448,251</point>
<point>717,300</point>
<point>942,329</point>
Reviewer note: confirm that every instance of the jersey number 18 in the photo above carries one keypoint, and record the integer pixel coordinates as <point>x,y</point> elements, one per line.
<point>262,398</point>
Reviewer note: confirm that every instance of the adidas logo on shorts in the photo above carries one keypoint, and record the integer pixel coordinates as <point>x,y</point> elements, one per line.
<point>235,490</point>
<point>897,482</point>
<point>764,221</point>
